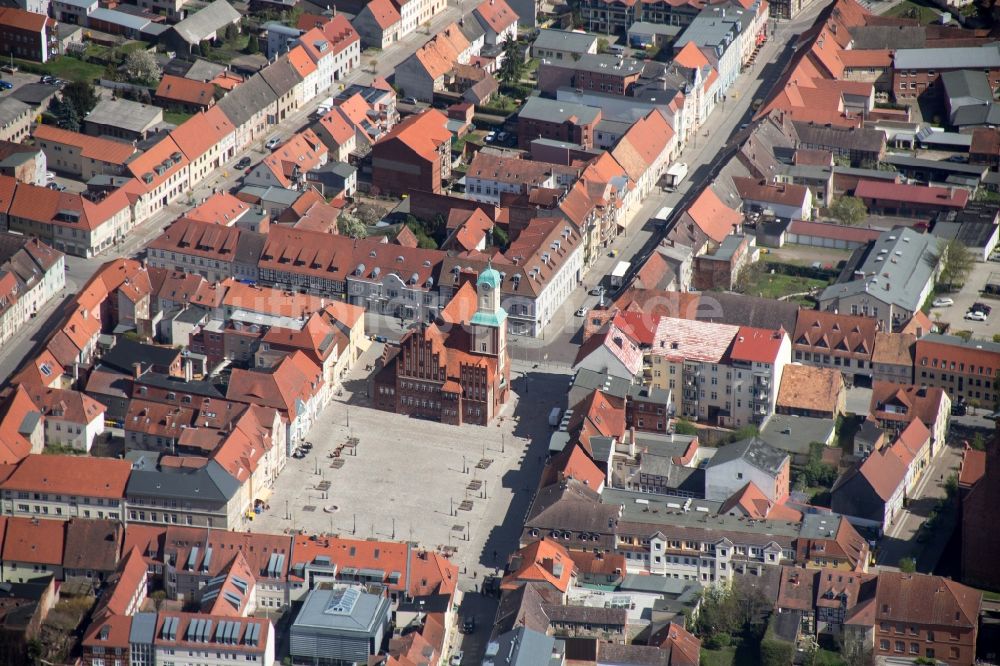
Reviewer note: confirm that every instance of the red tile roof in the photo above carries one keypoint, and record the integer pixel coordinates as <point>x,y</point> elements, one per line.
<point>712,216</point>
<point>23,20</point>
<point>541,561</point>
<point>150,169</point>
<point>34,541</point>
<point>384,12</point>
<point>178,89</point>
<point>833,231</point>
<point>757,345</point>
<point>91,147</point>
<point>196,135</point>
<point>953,197</point>
<point>71,475</point>
<point>497,14</point>
<point>422,133</point>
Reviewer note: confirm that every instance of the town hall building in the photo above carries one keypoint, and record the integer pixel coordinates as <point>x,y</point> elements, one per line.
<point>457,369</point>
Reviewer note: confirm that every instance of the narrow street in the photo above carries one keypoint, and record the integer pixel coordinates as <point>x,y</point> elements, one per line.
<point>900,540</point>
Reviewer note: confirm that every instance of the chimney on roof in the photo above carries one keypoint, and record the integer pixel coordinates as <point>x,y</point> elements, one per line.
<point>136,370</point>
<point>631,442</point>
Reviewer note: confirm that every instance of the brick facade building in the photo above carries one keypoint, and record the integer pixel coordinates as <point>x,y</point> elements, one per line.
<point>456,370</point>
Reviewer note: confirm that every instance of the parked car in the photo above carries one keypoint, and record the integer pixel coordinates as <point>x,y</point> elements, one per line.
<point>942,302</point>
<point>5,85</point>
<point>468,624</point>
<point>582,312</point>
<point>410,100</point>
<point>244,163</point>
<point>273,142</point>
<point>981,307</point>
<point>58,187</point>
<point>971,315</point>
<point>490,137</point>
<point>456,659</point>
<point>597,291</point>
<point>48,78</point>
<point>959,409</point>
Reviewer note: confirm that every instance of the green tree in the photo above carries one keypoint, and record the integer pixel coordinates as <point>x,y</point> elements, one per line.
<point>253,44</point>
<point>958,262</point>
<point>685,427</point>
<point>775,651</point>
<point>500,237</point>
<point>513,62</point>
<point>908,565</point>
<point>141,67</point>
<point>349,225</point>
<point>231,32</point>
<point>66,115</point>
<point>602,45</point>
<point>978,442</point>
<point>850,211</point>
<point>81,95</point>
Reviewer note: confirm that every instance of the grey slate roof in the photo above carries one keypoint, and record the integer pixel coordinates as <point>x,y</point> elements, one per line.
<point>915,257</point>
<point>249,98</point>
<point>740,310</point>
<point>603,64</point>
<point>523,607</point>
<point>862,139</point>
<point>794,433</point>
<point>281,76</point>
<point>125,113</point>
<point>754,451</point>
<point>210,483</point>
<point>889,37</point>
<point>471,30</point>
<point>954,340</point>
<point>966,57</point>
<point>11,109</point>
<point>204,70</point>
<point>200,25</point>
<point>564,40</point>
<point>538,108</point>
<point>520,647</point>
<point>609,384</point>
<point>967,84</point>
<point>249,247</point>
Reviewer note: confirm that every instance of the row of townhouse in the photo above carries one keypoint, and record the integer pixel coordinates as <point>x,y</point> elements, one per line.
<point>186,156</point>
<point>542,267</point>
<point>31,274</point>
<point>223,578</point>
<point>242,466</point>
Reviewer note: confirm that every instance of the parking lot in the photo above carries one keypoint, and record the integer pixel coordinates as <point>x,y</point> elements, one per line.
<point>971,293</point>
<point>443,487</point>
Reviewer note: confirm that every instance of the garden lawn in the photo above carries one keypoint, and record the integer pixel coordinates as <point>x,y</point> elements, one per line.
<point>723,657</point>
<point>64,67</point>
<point>778,285</point>
<point>911,9</point>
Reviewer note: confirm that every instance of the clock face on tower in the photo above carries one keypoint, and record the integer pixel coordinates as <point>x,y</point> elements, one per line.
<point>485,287</point>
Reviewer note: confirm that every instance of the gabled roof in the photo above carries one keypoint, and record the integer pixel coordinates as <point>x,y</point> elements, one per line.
<point>926,600</point>
<point>383,12</point>
<point>422,133</point>
<point>91,147</point>
<point>496,14</point>
<point>714,218</point>
<point>542,561</point>
<point>196,135</point>
<point>71,475</point>
<point>180,89</point>
<point>34,541</point>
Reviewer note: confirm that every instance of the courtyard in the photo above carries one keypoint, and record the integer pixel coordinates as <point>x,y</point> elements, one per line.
<point>459,490</point>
